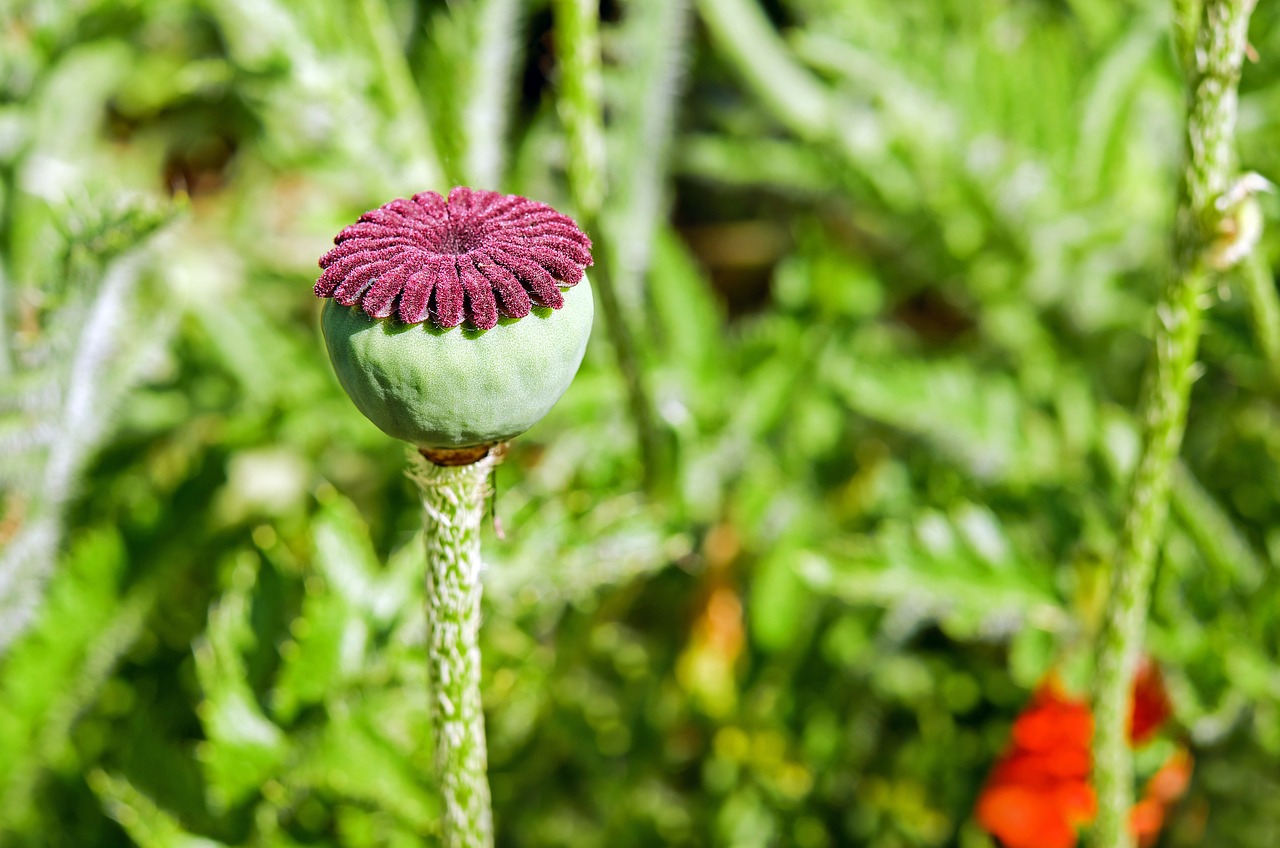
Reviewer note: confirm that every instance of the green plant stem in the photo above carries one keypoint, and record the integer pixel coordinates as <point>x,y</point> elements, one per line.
<point>494,60</point>
<point>453,501</point>
<point>577,33</point>
<point>1259,286</point>
<point>407,113</point>
<point>741,30</point>
<point>656,35</point>
<point>1212,79</point>
<point>1186,26</point>
<point>1224,548</point>
<point>577,29</point>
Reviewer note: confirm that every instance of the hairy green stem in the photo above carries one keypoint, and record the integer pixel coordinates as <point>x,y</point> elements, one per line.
<point>453,500</point>
<point>577,24</point>
<point>1186,27</point>
<point>1212,78</point>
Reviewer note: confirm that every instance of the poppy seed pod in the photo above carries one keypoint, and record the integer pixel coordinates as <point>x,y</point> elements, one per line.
<point>457,323</point>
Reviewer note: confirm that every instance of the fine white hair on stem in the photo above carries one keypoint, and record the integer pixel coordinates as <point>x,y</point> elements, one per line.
<point>1213,73</point>
<point>453,507</point>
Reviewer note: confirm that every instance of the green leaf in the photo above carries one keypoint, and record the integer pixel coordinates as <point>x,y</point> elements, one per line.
<point>781,605</point>
<point>146,823</point>
<point>243,748</point>
<point>958,569</point>
<point>349,761</point>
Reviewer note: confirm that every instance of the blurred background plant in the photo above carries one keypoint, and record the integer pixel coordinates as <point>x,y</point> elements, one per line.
<point>884,274</point>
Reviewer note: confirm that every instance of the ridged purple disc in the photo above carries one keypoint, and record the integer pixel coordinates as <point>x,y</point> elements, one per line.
<point>475,257</point>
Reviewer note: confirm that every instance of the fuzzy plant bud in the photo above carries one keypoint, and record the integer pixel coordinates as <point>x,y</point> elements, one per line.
<point>457,323</point>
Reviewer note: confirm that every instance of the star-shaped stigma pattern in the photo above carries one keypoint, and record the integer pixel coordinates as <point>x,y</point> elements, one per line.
<point>475,257</point>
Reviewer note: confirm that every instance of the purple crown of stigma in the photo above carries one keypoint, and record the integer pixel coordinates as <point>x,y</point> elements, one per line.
<point>477,256</point>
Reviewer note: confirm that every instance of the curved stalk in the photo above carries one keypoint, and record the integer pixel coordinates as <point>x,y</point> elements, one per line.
<point>453,500</point>
<point>1212,78</point>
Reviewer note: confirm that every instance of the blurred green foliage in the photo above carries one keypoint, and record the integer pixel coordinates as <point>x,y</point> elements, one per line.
<point>890,268</point>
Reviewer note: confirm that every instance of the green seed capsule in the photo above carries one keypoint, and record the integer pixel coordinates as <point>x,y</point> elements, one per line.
<point>457,323</point>
<point>458,387</point>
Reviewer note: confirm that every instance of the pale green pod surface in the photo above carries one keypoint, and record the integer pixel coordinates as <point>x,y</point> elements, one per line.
<point>458,387</point>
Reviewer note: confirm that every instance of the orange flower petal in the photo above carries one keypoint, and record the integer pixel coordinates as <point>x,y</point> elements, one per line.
<point>1024,818</point>
<point>1051,766</point>
<point>1053,720</point>
<point>1077,801</point>
<point>1171,781</point>
<point>1145,820</point>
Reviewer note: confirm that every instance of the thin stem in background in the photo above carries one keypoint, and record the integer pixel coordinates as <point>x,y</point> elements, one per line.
<point>1223,546</point>
<point>453,507</point>
<point>1186,28</point>
<point>1219,52</point>
<point>485,114</point>
<point>577,31</point>
<point>742,32</point>
<point>407,114</point>
<point>1259,286</point>
<point>655,36</point>
<point>577,27</point>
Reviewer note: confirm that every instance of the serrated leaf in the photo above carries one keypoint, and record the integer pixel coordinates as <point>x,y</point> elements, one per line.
<point>539,568</point>
<point>346,559</point>
<point>59,666</point>
<point>328,649</point>
<point>350,762</point>
<point>344,613</point>
<point>977,419</point>
<point>147,824</point>
<point>243,746</point>
<point>932,569</point>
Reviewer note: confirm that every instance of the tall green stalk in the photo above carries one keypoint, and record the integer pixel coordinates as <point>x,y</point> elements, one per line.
<point>1212,77</point>
<point>407,115</point>
<point>453,500</point>
<point>577,29</point>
